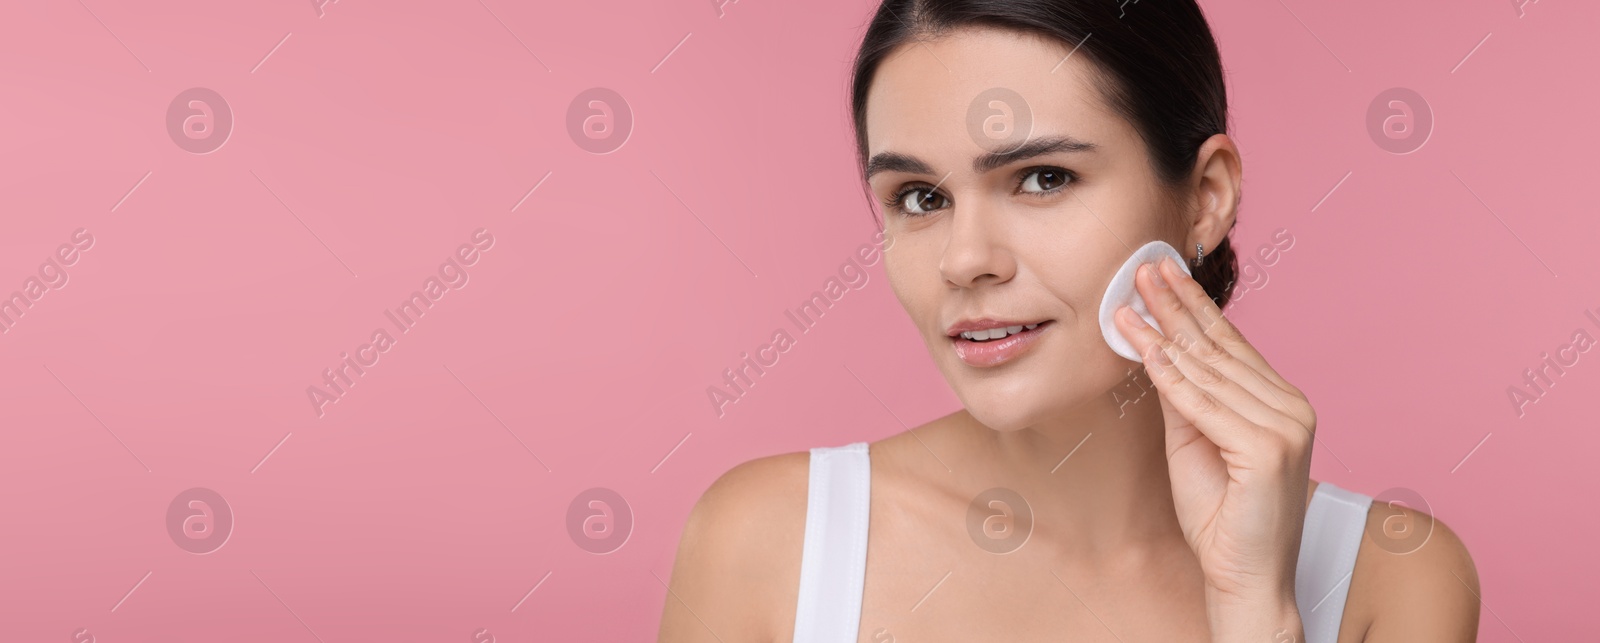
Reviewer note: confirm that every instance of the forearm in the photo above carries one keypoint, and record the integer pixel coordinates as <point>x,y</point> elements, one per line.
<point>1269,618</point>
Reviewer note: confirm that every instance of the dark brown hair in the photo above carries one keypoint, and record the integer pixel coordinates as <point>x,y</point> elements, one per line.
<point>1156,65</point>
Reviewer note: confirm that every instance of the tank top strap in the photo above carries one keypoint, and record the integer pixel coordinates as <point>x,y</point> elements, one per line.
<point>1336,519</point>
<point>833,562</point>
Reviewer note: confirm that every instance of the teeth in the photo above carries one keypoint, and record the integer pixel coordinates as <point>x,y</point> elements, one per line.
<point>995,333</point>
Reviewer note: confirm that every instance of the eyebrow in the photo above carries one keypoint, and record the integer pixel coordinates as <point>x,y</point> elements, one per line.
<point>897,162</point>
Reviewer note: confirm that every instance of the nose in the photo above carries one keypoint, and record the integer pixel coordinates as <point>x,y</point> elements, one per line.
<point>976,252</point>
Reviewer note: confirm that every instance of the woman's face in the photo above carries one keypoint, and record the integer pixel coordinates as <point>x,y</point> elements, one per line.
<point>1030,238</point>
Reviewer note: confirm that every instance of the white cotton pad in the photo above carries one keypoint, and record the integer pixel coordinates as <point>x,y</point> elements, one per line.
<point>1121,292</point>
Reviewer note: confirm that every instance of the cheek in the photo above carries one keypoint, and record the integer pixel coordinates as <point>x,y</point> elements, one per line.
<point>902,276</point>
<point>913,275</point>
<point>1075,273</point>
<point>1074,253</point>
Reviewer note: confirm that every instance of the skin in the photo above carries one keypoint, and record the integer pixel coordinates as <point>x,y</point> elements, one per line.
<point>1178,514</point>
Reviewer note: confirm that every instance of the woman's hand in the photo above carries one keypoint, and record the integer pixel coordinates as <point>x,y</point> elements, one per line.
<point>1238,453</point>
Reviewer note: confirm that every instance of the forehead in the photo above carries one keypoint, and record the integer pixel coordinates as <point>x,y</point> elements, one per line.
<point>932,95</point>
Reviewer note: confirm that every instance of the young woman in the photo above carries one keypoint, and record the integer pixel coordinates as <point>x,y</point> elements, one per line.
<point>1022,150</point>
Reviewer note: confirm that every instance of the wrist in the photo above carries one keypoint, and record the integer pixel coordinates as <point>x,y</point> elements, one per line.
<point>1264,617</point>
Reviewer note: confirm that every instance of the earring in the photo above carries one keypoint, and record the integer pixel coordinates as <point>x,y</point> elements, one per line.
<point>1200,254</point>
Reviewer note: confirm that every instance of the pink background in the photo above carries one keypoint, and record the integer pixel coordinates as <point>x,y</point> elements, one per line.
<point>424,505</point>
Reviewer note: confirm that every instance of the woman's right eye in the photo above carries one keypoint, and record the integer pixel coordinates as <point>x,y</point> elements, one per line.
<point>916,201</point>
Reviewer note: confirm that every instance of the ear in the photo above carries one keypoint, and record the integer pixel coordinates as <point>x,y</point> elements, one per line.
<point>1215,189</point>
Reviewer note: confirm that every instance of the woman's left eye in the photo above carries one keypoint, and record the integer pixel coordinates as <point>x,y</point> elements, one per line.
<point>1045,179</point>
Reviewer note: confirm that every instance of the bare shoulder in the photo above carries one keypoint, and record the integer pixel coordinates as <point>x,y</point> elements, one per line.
<point>1414,580</point>
<point>737,570</point>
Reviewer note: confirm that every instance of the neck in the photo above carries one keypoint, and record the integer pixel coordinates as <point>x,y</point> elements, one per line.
<point>1097,475</point>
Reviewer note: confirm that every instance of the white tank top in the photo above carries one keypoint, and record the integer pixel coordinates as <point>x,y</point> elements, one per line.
<point>833,563</point>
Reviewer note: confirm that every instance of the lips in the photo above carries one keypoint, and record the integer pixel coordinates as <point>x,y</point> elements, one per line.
<point>1010,339</point>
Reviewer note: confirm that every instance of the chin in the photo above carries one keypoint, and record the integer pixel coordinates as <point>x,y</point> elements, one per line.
<point>1041,386</point>
<point>1000,417</point>
<point>1017,400</point>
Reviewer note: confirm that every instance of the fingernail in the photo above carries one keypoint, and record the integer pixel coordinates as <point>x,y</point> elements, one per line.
<point>1132,317</point>
<point>1173,264</point>
<point>1152,366</point>
<point>1162,357</point>
<point>1155,275</point>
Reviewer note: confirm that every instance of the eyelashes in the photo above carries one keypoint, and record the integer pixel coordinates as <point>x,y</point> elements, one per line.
<point>897,203</point>
<point>929,200</point>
